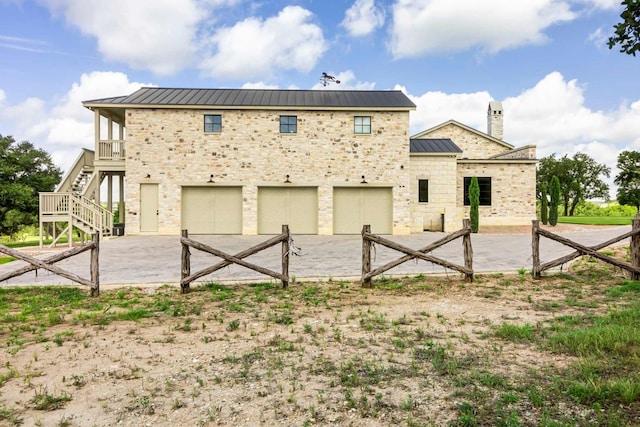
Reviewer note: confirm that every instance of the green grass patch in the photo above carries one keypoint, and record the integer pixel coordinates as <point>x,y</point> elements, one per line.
<point>596,220</point>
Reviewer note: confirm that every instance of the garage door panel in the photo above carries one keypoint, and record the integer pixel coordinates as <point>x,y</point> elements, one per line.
<point>212,210</point>
<point>355,207</point>
<point>295,206</point>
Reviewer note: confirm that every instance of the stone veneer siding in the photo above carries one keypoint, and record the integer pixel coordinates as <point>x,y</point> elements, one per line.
<point>171,146</point>
<point>473,145</point>
<point>441,172</point>
<point>513,186</point>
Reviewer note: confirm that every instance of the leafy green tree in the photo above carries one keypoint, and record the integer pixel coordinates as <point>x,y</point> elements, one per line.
<point>627,32</point>
<point>474,202</point>
<point>554,190</point>
<point>579,176</point>
<point>544,205</point>
<point>628,179</point>
<point>24,171</point>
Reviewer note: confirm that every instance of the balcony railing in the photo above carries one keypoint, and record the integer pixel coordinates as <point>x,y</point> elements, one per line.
<point>112,149</point>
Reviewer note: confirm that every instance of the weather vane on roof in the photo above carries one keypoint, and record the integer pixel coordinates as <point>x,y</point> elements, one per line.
<point>327,78</point>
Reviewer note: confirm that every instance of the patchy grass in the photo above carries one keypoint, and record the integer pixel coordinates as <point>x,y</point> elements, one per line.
<point>505,350</point>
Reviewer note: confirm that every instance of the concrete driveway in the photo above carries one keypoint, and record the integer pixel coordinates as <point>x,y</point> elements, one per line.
<point>156,259</point>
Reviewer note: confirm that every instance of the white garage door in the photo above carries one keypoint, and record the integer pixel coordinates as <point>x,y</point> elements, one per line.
<point>212,210</point>
<point>296,206</point>
<point>355,207</point>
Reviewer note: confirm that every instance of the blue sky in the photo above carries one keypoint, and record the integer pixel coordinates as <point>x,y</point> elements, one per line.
<point>546,60</point>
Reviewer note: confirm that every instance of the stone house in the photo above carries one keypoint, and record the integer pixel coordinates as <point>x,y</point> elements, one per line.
<point>444,158</point>
<point>246,161</point>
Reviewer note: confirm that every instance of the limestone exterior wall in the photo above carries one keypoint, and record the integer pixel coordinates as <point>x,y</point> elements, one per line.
<point>513,186</point>
<point>526,152</point>
<point>473,145</point>
<point>171,146</point>
<point>441,173</point>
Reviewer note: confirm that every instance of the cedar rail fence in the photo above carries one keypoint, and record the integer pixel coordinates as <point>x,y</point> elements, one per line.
<point>633,268</point>
<point>187,277</point>
<point>47,264</point>
<point>368,238</point>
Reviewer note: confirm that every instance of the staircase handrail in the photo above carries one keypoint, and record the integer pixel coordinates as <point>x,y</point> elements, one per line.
<point>85,159</point>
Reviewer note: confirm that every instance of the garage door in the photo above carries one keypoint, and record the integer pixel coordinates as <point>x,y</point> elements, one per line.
<point>296,206</point>
<point>355,207</point>
<point>212,210</point>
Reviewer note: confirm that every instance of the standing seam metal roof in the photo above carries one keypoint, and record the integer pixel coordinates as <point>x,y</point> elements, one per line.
<point>262,98</point>
<point>432,145</point>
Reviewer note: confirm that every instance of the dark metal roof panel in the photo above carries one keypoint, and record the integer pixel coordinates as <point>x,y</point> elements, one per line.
<point>263,98</point>
<point>433,146</point>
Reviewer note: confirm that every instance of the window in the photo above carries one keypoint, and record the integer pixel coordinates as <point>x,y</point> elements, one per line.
<point>288,124</point>
<point>423,190</point>
<point>212,123</point>
<point>485,190</point>
<point>362,124</point>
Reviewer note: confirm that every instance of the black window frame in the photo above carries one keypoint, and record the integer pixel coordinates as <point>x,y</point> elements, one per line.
<point>288,124</point>
<point>485,190</point>
<point>423,191</point>
<point>361,128</point>
<point>215,125</point>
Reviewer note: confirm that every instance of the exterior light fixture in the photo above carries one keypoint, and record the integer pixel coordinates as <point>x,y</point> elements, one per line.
<point>364,181</point>
<point>148,176</point>
<point>286,181</point>
<point>210,179</point>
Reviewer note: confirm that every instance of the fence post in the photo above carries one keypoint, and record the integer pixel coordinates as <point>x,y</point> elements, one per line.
<point>535,248</point>
<point>468,250</point>
<point>285,254</point>
<point>185,270</point>
<point>635,247</point>
<point>366,256</point>
<point>95,265</point>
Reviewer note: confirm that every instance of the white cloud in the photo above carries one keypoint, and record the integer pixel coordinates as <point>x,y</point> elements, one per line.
<point>65,127</point>
<point>147,34</point>
<point>259,47</point>
<point>553,115</point>
<point>441,26</point>
<point>362,18</point>
<point>347,81</point>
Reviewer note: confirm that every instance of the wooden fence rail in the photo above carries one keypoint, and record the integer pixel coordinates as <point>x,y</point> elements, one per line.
<point>47,264</point>
<point>187,277</point>
<point>368,238</point>
<point>633,267</point>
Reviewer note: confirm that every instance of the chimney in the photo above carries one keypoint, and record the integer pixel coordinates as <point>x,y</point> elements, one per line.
<point>495,120</point>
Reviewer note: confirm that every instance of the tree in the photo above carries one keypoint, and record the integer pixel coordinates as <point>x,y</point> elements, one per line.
<point>628,179</point>
<point>544,205</point>
<point>579,177</point>
<point>554,189</point>
<point>24,171</point>
<point>627,32</point>
<point>474,201</point>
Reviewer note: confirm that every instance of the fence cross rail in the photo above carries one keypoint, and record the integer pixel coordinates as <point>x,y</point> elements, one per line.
<point>187,277</point>
<point>367,238</point>
<point>633,268</point>
<point>47,264</point>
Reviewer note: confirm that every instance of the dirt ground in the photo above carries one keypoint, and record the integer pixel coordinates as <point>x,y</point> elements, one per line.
<point>328,353</point>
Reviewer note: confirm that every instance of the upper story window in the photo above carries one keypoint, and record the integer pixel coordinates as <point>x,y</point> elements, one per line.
<point>485,190</point>
<point>212,123</point>
<point>288,124</point>
<point>423,190</point>
<point>362,124</point>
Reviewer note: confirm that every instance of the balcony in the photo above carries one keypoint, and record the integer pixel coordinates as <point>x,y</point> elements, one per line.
<point>111,154</point>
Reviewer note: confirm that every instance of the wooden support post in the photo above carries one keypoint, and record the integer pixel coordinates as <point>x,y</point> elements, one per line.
<point>366,256</point>
<point>468,250</point>
<point>186,264</point>
<point>635,247</point>
<point>95,265</point>
<point>535,248</point>
<point>285,254</point>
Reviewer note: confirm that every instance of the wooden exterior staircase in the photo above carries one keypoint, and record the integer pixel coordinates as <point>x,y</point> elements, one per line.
<point>72,203</point>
